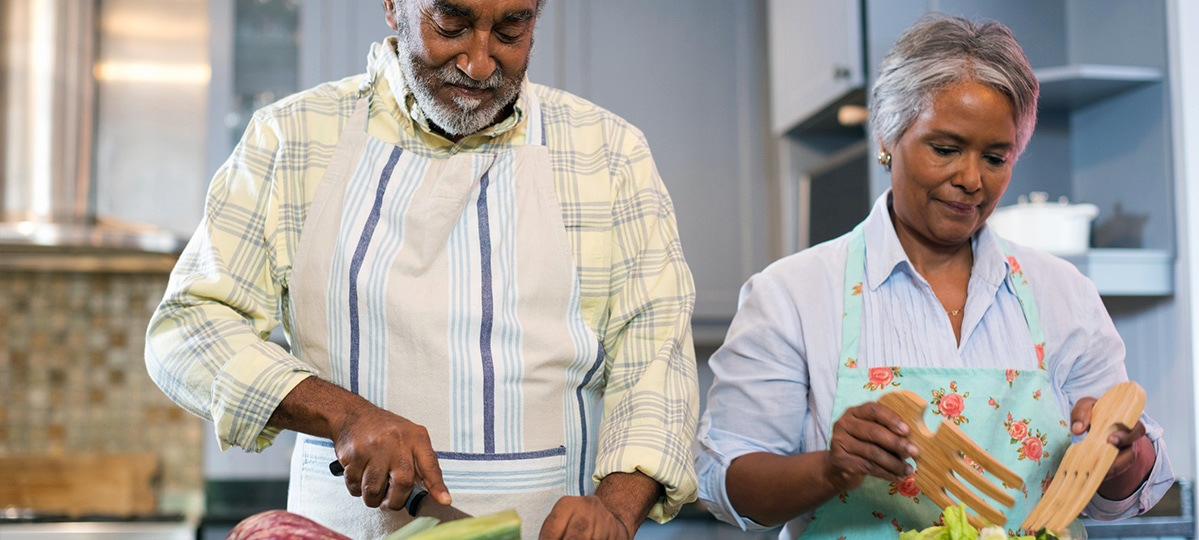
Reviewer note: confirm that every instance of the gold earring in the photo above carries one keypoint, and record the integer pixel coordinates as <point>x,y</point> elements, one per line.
<point>884,159</point>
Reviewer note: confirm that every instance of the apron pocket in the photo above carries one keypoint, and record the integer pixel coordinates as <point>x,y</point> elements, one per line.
<point>314,492</point>
<point>528,482</point>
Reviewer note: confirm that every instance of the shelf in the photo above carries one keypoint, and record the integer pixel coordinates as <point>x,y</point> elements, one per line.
<point>824,122</point>
<point>1074,86</point>
<point>1128,272</point>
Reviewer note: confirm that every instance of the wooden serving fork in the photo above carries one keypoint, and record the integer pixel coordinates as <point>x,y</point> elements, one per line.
<point>1085,464</point>
<point>943,453</point>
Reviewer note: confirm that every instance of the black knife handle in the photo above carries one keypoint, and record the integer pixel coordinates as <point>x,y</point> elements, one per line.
<point>414,497</point>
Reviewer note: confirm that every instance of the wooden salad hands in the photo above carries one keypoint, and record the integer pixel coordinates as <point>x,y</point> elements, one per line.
<point>1085,464</point>
<point>943,453</point>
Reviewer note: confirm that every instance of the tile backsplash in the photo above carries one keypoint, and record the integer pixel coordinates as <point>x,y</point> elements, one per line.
<point>73,377</point>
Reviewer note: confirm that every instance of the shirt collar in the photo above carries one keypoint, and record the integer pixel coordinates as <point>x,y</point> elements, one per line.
<point>383,66</point>
<point>885,255</point>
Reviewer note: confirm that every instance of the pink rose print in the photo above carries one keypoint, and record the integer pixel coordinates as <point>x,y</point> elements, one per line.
<point>1014,264</point>
<point>895,523</point>
<point>878,514</point>
<point>950,404</point>
<point>1036,395</point>
<point>1011,376</point>
<point>1018,431</point>
<point>882,377</point>
<point>1033,448</point>
<point>857,289</point>
<point>993,403</point>
<point>973,465</point>
<point>1040,355</point>
<point>851,363</point>
<point>908,488</point>
<point>1045,483</point>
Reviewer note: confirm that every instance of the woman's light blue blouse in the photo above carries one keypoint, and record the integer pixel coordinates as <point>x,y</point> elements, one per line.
<point>776,374</point>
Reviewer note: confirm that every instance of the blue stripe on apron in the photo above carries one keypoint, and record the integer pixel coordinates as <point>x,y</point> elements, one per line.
<point>356,263</point>
<point>486,321</point>
<point>599,361</point>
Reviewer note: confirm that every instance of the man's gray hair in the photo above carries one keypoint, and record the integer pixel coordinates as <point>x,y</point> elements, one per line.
<point>940,51</point>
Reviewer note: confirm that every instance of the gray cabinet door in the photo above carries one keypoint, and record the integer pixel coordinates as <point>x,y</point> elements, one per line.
<point>815,56</point>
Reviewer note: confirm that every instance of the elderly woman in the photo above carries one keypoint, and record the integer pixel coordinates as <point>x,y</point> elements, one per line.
<point>1011,344</point>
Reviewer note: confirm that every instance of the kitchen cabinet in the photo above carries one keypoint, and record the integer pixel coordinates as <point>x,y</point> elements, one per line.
<point>1104,136</point>
<point>815,57</point>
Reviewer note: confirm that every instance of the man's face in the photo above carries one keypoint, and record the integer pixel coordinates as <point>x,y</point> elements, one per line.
<point>464,60</point>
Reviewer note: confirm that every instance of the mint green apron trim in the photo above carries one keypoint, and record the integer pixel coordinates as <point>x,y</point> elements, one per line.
<point>1030,441</point>
<point>1027,303</point>
<point>851,323</point>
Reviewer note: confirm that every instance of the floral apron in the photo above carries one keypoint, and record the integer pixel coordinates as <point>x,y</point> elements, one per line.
<point>444,290</point>
<point>1012,414</point>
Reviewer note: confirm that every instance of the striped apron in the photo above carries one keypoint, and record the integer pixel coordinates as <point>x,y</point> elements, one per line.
<point>443,289</point>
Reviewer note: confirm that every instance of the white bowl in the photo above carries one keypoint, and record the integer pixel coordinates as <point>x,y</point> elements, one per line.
<point>1059,228</point>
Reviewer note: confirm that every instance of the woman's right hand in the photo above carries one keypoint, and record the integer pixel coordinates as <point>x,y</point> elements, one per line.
<point>868,440</point>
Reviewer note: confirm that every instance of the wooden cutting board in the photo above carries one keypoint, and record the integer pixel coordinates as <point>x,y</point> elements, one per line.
<point>80,484</point>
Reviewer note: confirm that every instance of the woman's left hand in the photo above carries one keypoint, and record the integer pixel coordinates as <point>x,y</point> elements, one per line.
<point>1135,460</point>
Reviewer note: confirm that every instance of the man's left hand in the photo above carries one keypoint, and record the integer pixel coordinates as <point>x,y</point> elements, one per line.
<point>620,504</point>
<point>583,517</point>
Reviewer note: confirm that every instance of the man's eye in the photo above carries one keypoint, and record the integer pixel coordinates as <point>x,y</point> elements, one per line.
<point>450,32</point>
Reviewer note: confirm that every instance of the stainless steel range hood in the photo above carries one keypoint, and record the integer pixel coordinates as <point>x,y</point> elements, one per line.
<point>48,115</point>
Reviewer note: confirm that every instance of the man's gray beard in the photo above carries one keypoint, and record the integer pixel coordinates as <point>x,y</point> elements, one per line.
<point>468,116</point>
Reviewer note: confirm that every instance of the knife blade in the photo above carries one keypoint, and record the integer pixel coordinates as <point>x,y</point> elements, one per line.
<point>419,504</point>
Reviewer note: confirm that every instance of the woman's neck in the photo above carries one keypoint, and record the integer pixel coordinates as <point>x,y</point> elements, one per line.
<point>930,259</point>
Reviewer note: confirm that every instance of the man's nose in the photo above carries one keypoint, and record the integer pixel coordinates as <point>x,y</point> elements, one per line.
<point>476,61</point>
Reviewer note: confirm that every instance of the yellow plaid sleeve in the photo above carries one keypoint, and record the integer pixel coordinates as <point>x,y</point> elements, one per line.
<point>637,290</point>
<point>206,344</point>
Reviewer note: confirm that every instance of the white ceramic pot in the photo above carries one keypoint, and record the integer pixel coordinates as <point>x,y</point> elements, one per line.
<point>1059,228</point>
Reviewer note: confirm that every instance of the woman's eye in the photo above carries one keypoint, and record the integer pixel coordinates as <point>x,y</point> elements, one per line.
<point>943,150</point>
<point>995,160</point>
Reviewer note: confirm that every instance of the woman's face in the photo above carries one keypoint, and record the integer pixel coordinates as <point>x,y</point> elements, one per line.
<point>951,166</point>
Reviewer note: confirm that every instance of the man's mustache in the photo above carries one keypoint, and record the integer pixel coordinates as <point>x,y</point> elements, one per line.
<point>450,74</point>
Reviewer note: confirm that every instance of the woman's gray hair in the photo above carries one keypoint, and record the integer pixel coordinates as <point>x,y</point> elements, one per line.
<point>940,51</point>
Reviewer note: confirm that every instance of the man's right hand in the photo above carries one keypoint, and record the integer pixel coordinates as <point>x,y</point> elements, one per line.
<point>384,455</point>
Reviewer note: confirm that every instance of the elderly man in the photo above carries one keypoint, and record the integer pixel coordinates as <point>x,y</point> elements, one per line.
<point>480,279</point>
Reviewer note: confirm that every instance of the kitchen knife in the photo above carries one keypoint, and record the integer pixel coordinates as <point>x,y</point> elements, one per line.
<point>419,504</point>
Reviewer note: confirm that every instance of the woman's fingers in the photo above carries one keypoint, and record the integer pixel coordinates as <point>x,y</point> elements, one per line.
<point>870,440</point>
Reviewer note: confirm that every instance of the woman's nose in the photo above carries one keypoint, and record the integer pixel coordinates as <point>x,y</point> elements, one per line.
<point>476,61</point>
<point>969,177</point>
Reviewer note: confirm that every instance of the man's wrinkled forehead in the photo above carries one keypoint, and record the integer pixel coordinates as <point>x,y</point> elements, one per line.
<point>457,8</point>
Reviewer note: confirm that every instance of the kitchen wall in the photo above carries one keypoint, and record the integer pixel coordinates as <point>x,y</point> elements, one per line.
<point>73,379</point>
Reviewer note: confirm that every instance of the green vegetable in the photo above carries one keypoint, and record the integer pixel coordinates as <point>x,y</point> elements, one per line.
<point>1044,534</point>
<point>957,527</point>
<point>503,525</point>
<point>414,527</point>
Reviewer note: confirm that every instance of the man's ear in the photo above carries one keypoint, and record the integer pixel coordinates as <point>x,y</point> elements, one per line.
<point>389,7</point>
